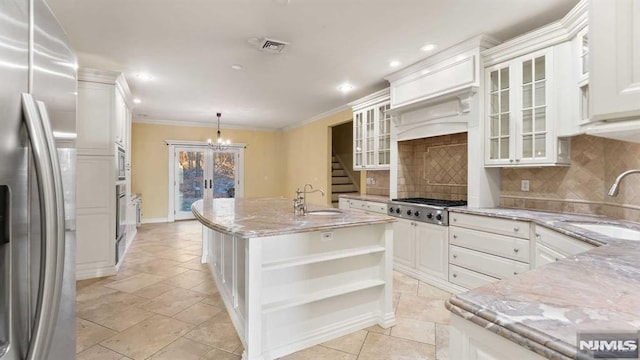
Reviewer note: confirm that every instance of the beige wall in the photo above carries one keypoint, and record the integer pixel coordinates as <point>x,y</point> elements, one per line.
<point>307,154</point>
<point>583,186</point>
<point>264,168</point>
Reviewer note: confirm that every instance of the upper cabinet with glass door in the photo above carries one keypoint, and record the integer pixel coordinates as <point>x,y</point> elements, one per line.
<point>371,132</point>
<point>531,102</point>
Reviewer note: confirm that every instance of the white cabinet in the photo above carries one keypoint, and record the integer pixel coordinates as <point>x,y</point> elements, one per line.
<point>520,121</point>
<point>421,250</point>
<point>485,249</point>
<point>103,112</point>
<point>363,205</point>
<point>371,132</point>
<point>552,246</point>
<point>615,59</point>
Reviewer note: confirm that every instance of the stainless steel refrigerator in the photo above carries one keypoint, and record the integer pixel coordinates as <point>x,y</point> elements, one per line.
<point>38,85</point>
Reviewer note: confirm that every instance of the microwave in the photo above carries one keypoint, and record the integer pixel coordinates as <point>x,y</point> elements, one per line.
<point>120,163</point>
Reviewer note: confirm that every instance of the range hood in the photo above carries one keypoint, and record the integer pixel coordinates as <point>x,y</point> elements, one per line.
<point>438,95</point>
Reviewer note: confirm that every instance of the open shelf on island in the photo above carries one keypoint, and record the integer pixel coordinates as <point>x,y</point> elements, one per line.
<point>319,295</point>
<point>326,256</point>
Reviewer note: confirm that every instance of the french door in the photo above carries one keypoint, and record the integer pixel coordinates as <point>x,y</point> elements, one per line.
<point>202,173</point>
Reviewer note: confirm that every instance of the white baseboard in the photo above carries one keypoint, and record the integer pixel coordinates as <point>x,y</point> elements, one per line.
<point>425,278</point>
<point>153,220</point>
<point>84,272</point>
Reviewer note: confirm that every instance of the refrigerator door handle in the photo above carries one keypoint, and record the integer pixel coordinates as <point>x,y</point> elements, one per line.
<point>52,215</point>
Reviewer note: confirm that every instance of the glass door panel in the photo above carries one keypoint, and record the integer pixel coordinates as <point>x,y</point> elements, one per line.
<point>358,128</point>
<point>384,135</point>
<point>370,136</point>
<point>534,108</point>
<point>224,174</point>
<point>499,114</point>
<point>189,180</point>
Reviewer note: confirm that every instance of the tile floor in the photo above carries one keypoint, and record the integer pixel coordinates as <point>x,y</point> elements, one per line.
<point>164,305</point>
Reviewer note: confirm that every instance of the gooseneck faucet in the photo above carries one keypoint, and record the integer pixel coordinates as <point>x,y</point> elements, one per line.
<point>300,202</point>
<point>614,188</point>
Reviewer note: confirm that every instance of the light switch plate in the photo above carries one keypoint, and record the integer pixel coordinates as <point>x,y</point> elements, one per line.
<point>524,185</point>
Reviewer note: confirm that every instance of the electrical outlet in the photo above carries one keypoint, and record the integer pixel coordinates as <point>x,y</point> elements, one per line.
<point>524,185</point>
<point>371,181</point>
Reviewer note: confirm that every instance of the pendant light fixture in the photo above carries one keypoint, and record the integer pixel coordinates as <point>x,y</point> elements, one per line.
<point>220,143</point>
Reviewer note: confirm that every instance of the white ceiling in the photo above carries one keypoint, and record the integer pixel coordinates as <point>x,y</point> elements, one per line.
<point>189,46</point>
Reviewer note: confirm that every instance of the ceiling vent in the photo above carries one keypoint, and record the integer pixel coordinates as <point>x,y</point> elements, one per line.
<point>272,46</point>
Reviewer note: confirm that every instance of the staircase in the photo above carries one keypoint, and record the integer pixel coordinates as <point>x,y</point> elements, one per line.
<point>341,183</point>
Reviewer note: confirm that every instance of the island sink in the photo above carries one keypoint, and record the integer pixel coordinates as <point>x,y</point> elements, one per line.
<point>610,230</point>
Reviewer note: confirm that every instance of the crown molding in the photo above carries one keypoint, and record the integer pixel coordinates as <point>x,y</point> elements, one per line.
<point>199,124</point>
<point>376,97</point>
<point>316,117</point>
<point>108,77</point>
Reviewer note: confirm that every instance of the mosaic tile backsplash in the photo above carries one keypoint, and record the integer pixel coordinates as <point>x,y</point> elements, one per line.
<point>434,167</point>
<point>583,186</point>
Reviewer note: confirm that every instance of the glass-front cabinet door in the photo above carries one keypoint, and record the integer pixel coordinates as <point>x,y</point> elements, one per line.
<point>533,135</point>
<point>499,112</point>
<point>372,137</point>
<point>358,139</point>
<point>384,135</point>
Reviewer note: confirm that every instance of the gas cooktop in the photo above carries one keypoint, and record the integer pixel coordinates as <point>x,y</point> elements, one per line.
<point>432,202</point>
<point>423,209</point>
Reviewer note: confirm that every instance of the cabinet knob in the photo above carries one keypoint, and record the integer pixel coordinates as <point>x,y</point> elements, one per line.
<point>510,160</point>
<point>515,273</point>
<point>455,256</point>
<point>516,250</point>
<point>517,160</point>
<point>455,219</point>
<point>537,236</point>
<point>455,236</point>
<point>516,229</point>
<point>557,259</point>
<point>455,275</point>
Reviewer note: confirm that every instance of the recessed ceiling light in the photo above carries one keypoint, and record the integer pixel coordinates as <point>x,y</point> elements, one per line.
<point>345,87</point>
<point>144,76</point>
<point>394,63</point>
<point>428,47</point>
<point>137,101</point>
<point>236,67</point>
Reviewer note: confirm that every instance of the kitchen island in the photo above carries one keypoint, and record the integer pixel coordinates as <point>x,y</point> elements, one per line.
<point>293,281</point>
<point>539,314</point>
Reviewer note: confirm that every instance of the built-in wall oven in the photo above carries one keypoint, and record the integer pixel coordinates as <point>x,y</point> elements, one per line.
<point>121,215</point>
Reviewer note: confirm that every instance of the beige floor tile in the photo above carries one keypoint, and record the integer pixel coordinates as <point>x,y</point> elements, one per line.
<point>442,342</point>
<point>94,292</point>
<point>173,301</point>
<point>239,350</point>
<point>404,284</point>
<point>395,299</point>
<point>195,264</point>
<point>153,291</point>
<point>378,329</point>
<point>197,313</point>
<point>188,279</point>
<point>90,334</point>
<point>378,347</point>
<point>183,349</point>
<point>320,353</point>
<point>217,354</point>
<point>109,302</point>
<point>217,332</point>
<point>433,292</point>
<point>350,343</point>
<point>82,284</point>
<point>421,308</point>
<point>146,338</point>
<point>98,352</point>
<point>208,288</point>
<point>116,317</point>
<point>417,330</point>
<point>181,256</point>
<point>162,267</point>
<point>214,300</point>
<point>135,282</point>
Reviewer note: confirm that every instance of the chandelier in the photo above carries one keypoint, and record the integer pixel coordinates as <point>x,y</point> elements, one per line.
<point>220,143</point>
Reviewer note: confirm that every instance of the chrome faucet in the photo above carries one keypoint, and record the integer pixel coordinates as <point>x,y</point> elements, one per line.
<point>300,202</point>
<point>614,188</point>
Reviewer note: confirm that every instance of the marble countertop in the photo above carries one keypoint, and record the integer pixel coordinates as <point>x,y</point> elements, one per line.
<point>543,309</point>
<point>262,217</point>
<point>366,197</point>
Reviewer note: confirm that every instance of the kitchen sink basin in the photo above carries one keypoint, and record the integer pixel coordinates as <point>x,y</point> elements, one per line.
<point>610,230</point>
<point>324,212</point>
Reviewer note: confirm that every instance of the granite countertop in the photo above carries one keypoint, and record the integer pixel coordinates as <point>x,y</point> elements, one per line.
<point>261,217</point>
<point>544,308</point>
<point>366,197</point>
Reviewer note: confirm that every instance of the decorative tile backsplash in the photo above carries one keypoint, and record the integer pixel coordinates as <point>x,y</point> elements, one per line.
<point>581,187</point>
<point>380,185</point>
<point>434,167</point>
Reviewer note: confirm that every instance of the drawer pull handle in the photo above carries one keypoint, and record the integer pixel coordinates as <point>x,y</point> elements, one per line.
<point>516,229</point>
<point>455,219</point>
<point>516,250</point>
<point>515,273</point>
<point>537,236</point>
<point>455,236</point>
<point>455,256</point>
<point>455,275</point>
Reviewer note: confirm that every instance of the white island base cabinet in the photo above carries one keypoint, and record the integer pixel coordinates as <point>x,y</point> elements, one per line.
<point>468,341</point>
<point>285,293</point>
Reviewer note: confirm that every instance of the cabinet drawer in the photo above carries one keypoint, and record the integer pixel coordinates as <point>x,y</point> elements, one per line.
<point>491,224</point>
<point>494,266</point>
<point>376,207</point>
<point>564,244</point>
<point>506,246</point>
<point>468,279</point>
